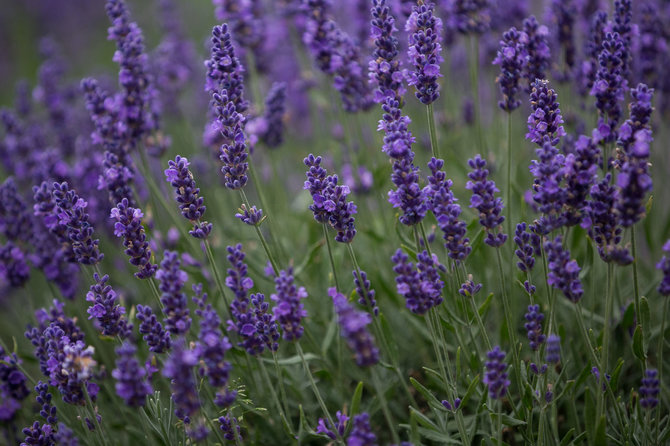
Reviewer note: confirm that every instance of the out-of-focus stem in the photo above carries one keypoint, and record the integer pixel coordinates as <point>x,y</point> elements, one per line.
<point>433,133</point>
<point>330,256</point>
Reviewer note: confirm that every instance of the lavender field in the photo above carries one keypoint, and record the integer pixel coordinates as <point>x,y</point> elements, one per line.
<point>346,222</point>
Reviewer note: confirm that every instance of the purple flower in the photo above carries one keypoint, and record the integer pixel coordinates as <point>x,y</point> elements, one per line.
<point>118,170</point>
<point>471,16</point>
<point>224,70</point>
<point>385,73</point>
<point>52,432</point>
<point>335,54</point>
<point>106,310</point>
<point>353,329</point>
<point>610,85</point>
<point>602,223</point>
<point>187,196</point>
<point>255,325</point>
<point>652,41</point>
<point>318,184</point>
<point>548,192</point>
<point>230,427</point>
<point>623,15</point>
<point>469,288</point>
<point>275,109</point>
<point>289,311</point>
<point>484,200</point>
<point>72,214</point>
<point>553,350</point>
<point>424,50</point>
<point>421,287</point>
<point>580,175</point>
<point>664,266</point>
<point>177,320</point>
<point>563,272</point>
<point>496,376</point>
<point>211,348</point>
<point>538,55</point>
<point>252,217</point>
<point>15,219</point>
<point>13,387</point>
<point>366,295</point>
<point>398,140</point>
<point>592,47</point>
<point>443,204</point>
<point>14,268</point>
<point>545,120</point>
<point>129,226</point>
<point>131,383</point>
<point>650,389</point>
<point>533,326</point>
<point>361,432</point>
<point>511,57</point>
<point>153,333</point>
<point>325,428</point>
<point>179,369</point>
<point>526,241</point>
<point>563,14</point>
<point>138,111</point>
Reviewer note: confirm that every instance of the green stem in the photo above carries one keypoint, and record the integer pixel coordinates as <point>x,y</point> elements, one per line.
<point>315,389</point>
<point>433,133</point>
<point>661,347</point>
<point>474,80</point>
<point>509,173</point>
<point>604,357</point>
<point>499,429</point>
<point>266,376</point>
<point>269,216</point>
<point>282,390</point>
<point>636,284</point>
<point>330,256</point>
<point>155,292</point>
<point>217,275</point>
<point>510,327</point>
<point>261,237</point>
<point>384,405</point>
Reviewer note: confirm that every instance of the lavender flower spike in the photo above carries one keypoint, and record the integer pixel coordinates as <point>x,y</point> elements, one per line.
<point>545,120</point>
<point>664,266</point>
<point>288,310</point>
<point>650,389</point>
<point>425,31</point>
<point>421,287</point>
<point>131,384</point>
<point>105,308</point>
<point>177,320</point>
<point>275,108</point>
<point>610,85</point>
<point>496,376</point>
<point>187,195</point>
<point>353,325</point>
<point>385,72</point>
<point>154,335</point>
<point>484,200</point>
<point>537,48</point>
<point>361,434</point>
<point>533,327</point>
<point>511,57</point>
<point>129,226</point>
<point>72,214</point>
<point>563,272</point>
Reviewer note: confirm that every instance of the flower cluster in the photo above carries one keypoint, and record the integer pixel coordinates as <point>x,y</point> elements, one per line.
<point>484,200</point>
<point>353,326</point>
<point>361,432</point>
<point>425,31</point>
<point>496,376</point>
<point>177,320</point>
<point>385,73</point>
<point>538,55</point>
<point>563,16</point>
<point>187,194</point>
<point>273,117</point>
<point>324,426</point>
<point>610,85</point>
<point>471,16</point>
<point>131,384</point>
<point>528,246</point>
<point>106,310</point>
<point>129,226</point>
<point>533,326</point>
<point>421,286</point>
<point>366,295</point>
<point>157,338</point>
<point>563,272</point>
<point>664,266</point>
<point>289,311</point>
<point>548,190</point>
<point>580,175</point>
<point>511,57</point>
<point>13,387</point>
<point>444,206</point>
<point>545,120</point>
<point>650,389</point>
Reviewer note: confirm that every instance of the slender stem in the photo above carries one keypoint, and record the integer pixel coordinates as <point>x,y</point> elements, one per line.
<point>384,405</point>
<point>266,376</point>
<point>425,238</point>
<point>480,323</point>
<point>509,173</point>
<point>636,284</point>
<point>508,319</point>
<point>433,133</point>
<point>540,428</point>
<point>604,356</point>
<point>550,290</point>
<point>154,291</point>
<point>661,347</point>
<point>315,389</point>
<point>499,429</point>
<point>217,275</point>
<point>474,80</point>
<point>261,237</point>
<point>268,214</point>
<point>330,256</point>
<point>282,390</point>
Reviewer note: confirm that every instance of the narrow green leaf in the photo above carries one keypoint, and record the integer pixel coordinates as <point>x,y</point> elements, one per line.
<point>292,359</point>
<point>424,420</point>
<point>433,402</point>
<point>485,306</point>
<point>309,257</point>
<point>356,399</point>
<point>600,438</point>
<point>510,421</point>
<point>616,374</point>
<point>388,334</point>
<point>471,388</point>
<point>330,335</point>
<point>645,321</point>
<point>638,344</point>
<point>589,411</point>
<point>567,437</point>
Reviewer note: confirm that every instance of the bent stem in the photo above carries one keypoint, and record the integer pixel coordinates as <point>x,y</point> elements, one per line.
<point>217,275</point>
<point>330,255</point>
<point>261,237</point>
